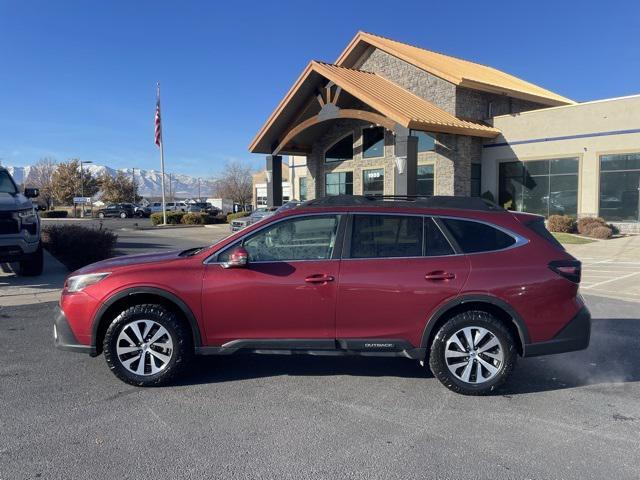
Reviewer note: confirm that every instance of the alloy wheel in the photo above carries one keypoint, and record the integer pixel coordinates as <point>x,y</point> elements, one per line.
<point>144,347</point>
<point>474,355</point>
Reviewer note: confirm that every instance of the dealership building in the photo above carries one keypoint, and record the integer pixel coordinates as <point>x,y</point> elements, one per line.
<point>389,118</point>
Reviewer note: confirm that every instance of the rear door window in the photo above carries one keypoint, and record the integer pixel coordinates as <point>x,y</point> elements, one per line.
<point>473,237</point>
<point>385,236</point>
<point>436,243</point>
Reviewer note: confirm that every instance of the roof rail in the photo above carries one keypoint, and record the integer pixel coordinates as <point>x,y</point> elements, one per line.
<point>462,203</point>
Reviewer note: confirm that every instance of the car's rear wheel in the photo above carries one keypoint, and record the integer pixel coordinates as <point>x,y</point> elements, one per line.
<point>123,215</point>
<point>101,215</point>
<point>147,345</point>
<point>473,353</point>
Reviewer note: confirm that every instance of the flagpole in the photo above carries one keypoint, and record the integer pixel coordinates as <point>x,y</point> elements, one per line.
<point>164,206</point>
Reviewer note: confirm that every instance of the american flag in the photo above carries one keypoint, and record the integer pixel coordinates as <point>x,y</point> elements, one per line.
<point>158,122</point>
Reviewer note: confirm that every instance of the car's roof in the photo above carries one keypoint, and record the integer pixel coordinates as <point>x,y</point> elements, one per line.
<point>404,202</point>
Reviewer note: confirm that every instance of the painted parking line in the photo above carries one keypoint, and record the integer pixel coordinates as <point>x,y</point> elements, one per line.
<point>612,280</point>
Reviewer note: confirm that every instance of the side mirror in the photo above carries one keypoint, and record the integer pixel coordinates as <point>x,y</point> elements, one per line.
<point>238,258</point>
<point>31,192</point>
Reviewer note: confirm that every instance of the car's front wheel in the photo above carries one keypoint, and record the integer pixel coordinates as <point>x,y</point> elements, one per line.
<point>147,345</point>
<point>101,215</point>
<point>123,215</point>
<point>473,353</point>
<point>32,264</point>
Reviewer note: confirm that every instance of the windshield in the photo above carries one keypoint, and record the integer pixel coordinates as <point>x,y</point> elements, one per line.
<point>6,183</point>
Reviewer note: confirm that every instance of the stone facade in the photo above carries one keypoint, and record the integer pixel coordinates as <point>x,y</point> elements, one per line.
<point>453,154</point>
<point>434,89</point>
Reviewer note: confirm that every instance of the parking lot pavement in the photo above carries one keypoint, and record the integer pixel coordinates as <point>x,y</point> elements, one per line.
<point>17,290</point>
<point>64,415</point>
<point>610,268</point>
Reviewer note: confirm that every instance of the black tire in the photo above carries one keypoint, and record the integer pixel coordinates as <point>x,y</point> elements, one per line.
<point>123,215</point>
<point>101,215</point>
<point>31,265</point>
<point>179,335</point>
<point>438,362</point>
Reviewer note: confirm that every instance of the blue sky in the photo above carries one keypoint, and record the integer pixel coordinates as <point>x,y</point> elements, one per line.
<point>77,79</point>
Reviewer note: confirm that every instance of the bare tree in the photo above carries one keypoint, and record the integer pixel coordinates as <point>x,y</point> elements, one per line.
<point>118,189</point>
<point>41,177</point>
<point>66,182</point>
<point>235,182</point>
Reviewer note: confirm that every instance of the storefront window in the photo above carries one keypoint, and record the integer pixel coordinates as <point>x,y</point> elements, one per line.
<point>341,150</point>
<point>619,187</point>
<point>476,173</point>
<point>373,182</point>
<point>339,183</point>
<point>302,188</point>
<point>373,142</point>
<point>545,187</point>
<point>426,141</point>
<point>425,180</point>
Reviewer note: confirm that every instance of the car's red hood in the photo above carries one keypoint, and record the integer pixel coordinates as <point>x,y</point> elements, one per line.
<point>127,261</point>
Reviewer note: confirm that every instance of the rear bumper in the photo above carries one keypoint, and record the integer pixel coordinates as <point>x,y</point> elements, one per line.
<point>64,339</point>
<point>574,336</point>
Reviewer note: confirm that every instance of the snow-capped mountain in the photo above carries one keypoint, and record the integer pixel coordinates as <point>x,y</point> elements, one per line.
<point>148,181</point>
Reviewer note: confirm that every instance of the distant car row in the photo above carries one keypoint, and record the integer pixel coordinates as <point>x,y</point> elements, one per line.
<point>260,213</point>
<point>129,210</point>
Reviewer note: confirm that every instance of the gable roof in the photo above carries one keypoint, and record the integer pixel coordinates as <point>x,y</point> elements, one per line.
<point>398,104</point>
<point>391,100</point>
<point>455,70</point>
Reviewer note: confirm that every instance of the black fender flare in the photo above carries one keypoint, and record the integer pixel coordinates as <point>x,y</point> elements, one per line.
<point>184,309</point>
<point>523,332</point>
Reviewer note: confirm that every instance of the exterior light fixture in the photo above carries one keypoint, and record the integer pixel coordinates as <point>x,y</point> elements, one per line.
<point>269,176</point>
<point>401,164</point>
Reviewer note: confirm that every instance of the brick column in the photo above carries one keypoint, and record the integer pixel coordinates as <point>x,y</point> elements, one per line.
<point>406,183</point>
<point>274,187</point>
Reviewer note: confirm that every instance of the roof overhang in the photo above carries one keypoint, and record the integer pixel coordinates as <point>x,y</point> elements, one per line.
<point>393,105</point>
<point>475,78</point>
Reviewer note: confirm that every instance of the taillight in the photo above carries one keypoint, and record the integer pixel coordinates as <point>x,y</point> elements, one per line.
<point>569,269</point>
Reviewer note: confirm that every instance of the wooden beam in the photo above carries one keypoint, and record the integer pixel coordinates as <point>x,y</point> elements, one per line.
<point>354,114</point>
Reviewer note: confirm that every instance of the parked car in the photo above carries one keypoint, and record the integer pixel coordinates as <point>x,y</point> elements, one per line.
<point>224,205</point>
<point>19,226</point>
<point>258,214</point>
<point>169,207</point>
<point>122,210</point>
<point>202,207</point>
<point>456,282</point>
<point>142,211</point>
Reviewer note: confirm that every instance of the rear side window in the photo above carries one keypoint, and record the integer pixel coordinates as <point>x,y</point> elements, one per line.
<point>384,236</point>
<point>437,244</point>
<point>475,237</point>
<point>539,227</point>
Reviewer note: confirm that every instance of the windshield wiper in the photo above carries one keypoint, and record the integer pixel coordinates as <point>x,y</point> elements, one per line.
<point>190,252</point>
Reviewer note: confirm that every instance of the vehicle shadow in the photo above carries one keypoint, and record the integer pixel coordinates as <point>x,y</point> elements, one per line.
<point>612,357</point>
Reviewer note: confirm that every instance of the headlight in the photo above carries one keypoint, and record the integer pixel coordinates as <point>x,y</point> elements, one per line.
<point>28,216</point>
<point>78,282</point>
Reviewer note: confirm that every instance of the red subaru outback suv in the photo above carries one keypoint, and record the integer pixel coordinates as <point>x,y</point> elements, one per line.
<point>459,282</point>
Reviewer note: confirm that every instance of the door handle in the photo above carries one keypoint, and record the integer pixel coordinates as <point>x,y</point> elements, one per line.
<point>439,275</point>
<point>319,278</point>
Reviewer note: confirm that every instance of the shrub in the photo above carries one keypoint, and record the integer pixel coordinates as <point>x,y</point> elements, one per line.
<point>232,216</point>
<point>54,214</point>
<point>601,232</point>
<point>562,223</point>
<point>585,224</point>
<point>193,218</point>
<point>76,246</point>
<point>173,218</point>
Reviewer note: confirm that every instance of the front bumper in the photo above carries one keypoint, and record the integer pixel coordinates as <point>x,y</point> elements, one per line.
<point>14,247</point>
<point>574,336</point>
<point>64,339</point>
